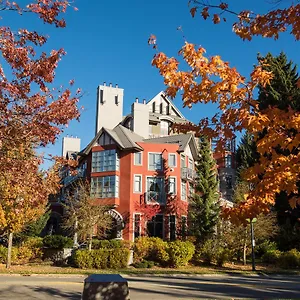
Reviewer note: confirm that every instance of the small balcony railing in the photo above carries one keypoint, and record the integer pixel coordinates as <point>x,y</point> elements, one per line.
<point>188,174</point>
<point>152,197</point>
<point>70,179</point>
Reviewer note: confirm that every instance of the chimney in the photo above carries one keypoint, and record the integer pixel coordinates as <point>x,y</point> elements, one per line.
<point>110,84</point>
<point>70,144</point>
<point>104,83</point>
<point>140,114</point>
<point>117,85</point>
<point>144,101</point>
<point>136,100</point>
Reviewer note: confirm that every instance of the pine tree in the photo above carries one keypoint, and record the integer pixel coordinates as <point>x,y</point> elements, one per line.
<point>283,93</point>
<point>204,206</point>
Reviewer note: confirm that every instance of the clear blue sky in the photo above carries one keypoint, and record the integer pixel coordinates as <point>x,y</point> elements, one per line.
<point>107,41</point>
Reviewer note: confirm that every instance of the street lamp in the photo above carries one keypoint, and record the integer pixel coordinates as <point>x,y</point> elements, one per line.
<point>251,221</point>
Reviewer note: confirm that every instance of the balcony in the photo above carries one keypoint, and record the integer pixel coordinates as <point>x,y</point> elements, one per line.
<point>70,179</point>
<point>152,197</point>
<point>188,174</point>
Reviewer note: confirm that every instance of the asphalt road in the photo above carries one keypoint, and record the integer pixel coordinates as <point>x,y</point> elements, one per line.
<point>157,287</point>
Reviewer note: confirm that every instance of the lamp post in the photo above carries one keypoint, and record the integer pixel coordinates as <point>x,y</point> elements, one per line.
<point>251,221</point>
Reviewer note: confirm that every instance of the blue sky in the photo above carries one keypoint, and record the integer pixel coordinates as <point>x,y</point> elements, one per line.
<point>107,41</point>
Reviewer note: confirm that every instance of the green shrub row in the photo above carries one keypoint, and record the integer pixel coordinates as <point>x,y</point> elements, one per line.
<point>102,258</point>
<point>110,244</point>
<point>57,242</point>
<point>290,259</point>
<point>172,254</point>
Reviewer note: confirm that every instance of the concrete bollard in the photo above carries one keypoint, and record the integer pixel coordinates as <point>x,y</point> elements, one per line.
<point>105,287</point>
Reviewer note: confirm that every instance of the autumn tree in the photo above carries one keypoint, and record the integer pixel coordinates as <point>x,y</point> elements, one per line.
<point>212,80</point>
<point>204,207</point>
<point>33,112</point>
<point>83,217</point>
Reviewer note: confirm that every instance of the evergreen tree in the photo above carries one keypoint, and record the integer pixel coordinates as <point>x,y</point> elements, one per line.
<point>283,93</point>
<point>204,206</point>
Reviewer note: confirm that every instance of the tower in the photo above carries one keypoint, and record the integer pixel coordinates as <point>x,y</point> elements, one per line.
<point>109,109</point>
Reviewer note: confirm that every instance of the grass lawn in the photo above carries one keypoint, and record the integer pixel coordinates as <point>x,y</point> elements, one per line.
<point>44,268</point>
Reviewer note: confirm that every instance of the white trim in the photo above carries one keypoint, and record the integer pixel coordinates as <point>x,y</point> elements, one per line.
<point>134,191</point>
<point>170,160</point>
<point>141,153</point>
<point>160,153</point>
<point>146,188</point>
<point>183,182</point>
<point>183,156</point>
<point>175,184</point>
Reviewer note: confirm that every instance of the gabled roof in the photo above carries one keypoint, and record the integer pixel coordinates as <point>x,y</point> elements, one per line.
<point>183,140</point>
<point>123,137</point>
<point>165,97</point>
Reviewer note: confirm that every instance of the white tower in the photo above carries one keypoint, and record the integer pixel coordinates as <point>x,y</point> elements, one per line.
<point>109,110</point>
<point>70,144</point>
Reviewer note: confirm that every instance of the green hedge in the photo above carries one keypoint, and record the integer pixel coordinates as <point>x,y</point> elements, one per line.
<point>110,244</point>
<point>271,257</point>
<point>102,258</point>
<point>57,242</point>
<point>154,249</point>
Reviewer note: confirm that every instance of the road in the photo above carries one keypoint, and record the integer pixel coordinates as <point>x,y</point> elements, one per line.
<point>156,287</point>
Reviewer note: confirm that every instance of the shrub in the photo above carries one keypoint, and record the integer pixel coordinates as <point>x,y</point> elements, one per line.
<point>271,257</point>
<point>145,264</point>
<point>57,242</point>
<point>180,253</point>
<point>264,247</point>
<point>3,254</point>
<point>222,256</point>
<point>141,248</point>
<point>110,244</point>
<point>118,258</point>
<point>207,252</point>
<point>102,258</point>
<point>290,259</point>
<point>24,254</point>
<point>35,244</point>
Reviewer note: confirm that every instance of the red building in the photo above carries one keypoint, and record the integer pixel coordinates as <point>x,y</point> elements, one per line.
<point>135,164</point>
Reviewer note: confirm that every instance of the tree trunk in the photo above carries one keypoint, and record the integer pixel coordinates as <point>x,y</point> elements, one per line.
<point>75,238</point>
<point>90,239</point>
<point>8,260</point>
<point>245,253</point>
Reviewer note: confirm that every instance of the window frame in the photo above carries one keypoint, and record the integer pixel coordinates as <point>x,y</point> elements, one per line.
<point>161,162</point>
<point>162,194</point>
<point>134,155</point>
<point>169,160</point>
<point>175,184</point>
<point>181,191</point>
<point>99,194</point>
<point>141,183</point>
<point>97,163</point>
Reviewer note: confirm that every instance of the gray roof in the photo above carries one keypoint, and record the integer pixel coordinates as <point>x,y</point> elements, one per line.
<point>124,138</point>
<point>181,139</point>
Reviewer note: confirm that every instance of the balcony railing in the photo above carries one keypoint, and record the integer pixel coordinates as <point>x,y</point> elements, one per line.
<point>188,174</point>
<point>152,197</point>
<point>70,179</point>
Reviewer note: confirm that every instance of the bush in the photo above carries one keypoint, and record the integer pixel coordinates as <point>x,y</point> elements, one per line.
<point>207,252</point>
<point>145,264</point>
<point>57,242</point>
<point>110,244</point>
<point>264,247</point>
<point>102,258</point>
<point>290,259</point>
<point>142,248</point>
<point>180,253</point>
<point>222,255</point>
<point>35,244</point>
<point>24,254</point>
<point>271,257</point>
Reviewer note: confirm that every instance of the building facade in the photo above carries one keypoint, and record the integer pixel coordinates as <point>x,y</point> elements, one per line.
<point>139,167</point>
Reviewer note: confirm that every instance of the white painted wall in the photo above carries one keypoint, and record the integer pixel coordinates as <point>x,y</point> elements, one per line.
<point>109,108</point>
<point>140,113</point>
<point>70,144</point>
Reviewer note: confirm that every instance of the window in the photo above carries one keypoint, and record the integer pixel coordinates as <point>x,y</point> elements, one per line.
<point>172,160</point>
<point>182,161</point>
<point>161,108</point>
<point>172,185</point>
<point>164,128</point>
<point>172,227</point>
<point>105,187</point>
<point>228,161</point>
<point>137,225</point>
<point>168,109</point>
<point>155,227</point>
<point>191,164</point>
<point>137,183</point>
<point>138,158</point>
<point>155,161</point>
<point>191,190</point>
<point>228,180</point>
<point>155,190</point>
<point>106,160</point>
<point>153,107</point>
<point>183,191</point>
